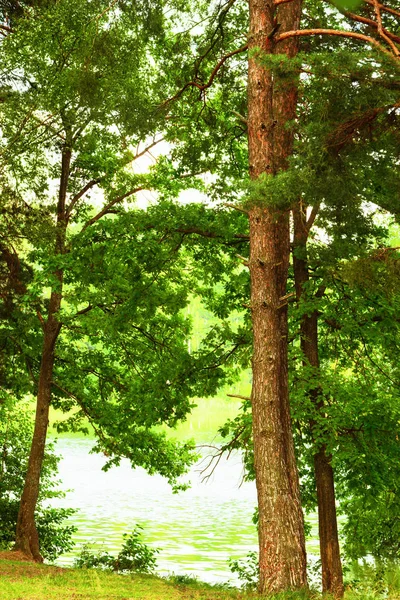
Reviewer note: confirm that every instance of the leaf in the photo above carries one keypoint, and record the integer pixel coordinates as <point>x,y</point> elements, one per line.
<point>348,4</point>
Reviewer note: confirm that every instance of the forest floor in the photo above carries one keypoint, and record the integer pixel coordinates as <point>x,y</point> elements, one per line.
<point>24,580</point>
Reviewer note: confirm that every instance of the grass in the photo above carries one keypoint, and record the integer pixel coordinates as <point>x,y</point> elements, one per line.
<point>29,581</point>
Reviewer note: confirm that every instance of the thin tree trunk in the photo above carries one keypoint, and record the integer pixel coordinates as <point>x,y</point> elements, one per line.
<point>271,106</point>
<point>26,538</point>
<point>332,574</point>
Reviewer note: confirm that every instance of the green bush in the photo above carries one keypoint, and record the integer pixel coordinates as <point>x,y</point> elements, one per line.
<point>134,556</point>
<point>16,428</point>
<point>247,570</point>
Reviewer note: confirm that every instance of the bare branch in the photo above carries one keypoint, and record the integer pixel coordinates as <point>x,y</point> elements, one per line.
<point>79,195</point>
<point>54,130</point>
<point>110,205</point>
<point>94,182</point>
<point>228,448</point>
<point>105,11</point>
<point>41,319</point>
<point>382,31</point>
<point>335,32</point>
<point>345,132</point>
<point>85,310</point>
<point>313,215</point>
<point>241,117</point>
<point>364,20</point>
<point>244,261</point>
<point>239,396</point>
<point>287,296</point>
<point>236,207</point>
<point>148,148</point>
<point>384,8</point>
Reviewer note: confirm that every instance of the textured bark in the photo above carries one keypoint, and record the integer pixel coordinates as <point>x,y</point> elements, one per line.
<point>332,574</point>
<point>26,538</point>
<point>271,105</point>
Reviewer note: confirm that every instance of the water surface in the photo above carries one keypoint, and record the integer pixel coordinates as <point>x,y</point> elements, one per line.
<point>197,531</point>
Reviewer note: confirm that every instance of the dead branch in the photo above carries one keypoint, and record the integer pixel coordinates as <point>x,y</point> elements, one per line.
<point>244,260</point>
<point>345,132</point>
<point>228,448</point>
<point>239,396</point>
<point>236,207</point>
<point>241,117</point>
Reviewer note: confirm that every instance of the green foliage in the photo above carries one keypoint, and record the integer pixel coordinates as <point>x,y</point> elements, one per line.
<point>55,534</point>
<point>382,512</point>
<point>278,191</point>
<point>247,570</point>
<point>379,580</point>
<point>15,434</point>
<point>134,556</point>
<point>93,78</point>
<point>348,4</point>
<point>73,72</point>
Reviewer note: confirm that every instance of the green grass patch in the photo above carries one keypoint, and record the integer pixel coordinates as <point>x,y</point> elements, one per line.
<point>30,581</point>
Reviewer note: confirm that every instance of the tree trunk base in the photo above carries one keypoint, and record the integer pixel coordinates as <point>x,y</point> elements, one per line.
<point>28,545</point>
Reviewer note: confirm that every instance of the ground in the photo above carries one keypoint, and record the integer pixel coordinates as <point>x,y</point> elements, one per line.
<point>24,580</point>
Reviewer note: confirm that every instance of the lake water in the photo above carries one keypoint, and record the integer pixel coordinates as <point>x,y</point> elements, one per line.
<point>197,531</point>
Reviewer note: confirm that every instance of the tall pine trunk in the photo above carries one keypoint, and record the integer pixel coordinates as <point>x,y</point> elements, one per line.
<point>26,537</point>
<point>332,574</point>
<point>271,107</point>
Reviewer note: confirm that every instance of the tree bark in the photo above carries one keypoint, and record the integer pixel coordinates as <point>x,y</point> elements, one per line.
<point>26,537</point>
<point>271,106</point>
<point>332,574</point>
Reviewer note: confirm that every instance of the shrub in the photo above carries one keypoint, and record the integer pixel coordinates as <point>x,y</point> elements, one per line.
<point>247,570</point>
<point>16,428</point>
<point>134,556</point>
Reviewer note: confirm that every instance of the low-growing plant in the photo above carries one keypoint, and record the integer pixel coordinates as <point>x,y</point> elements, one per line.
<point>183,579</point>
<point>134,556</point>
<point>378,578</point>
<point>247,570</point>
<point>314,573</point>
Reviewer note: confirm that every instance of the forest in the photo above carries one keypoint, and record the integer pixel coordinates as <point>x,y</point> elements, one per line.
<point>201,200</point>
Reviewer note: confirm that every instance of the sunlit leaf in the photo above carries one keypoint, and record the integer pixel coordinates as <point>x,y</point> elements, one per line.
<point>348,4</point>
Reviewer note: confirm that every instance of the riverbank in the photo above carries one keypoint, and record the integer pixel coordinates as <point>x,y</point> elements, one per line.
<point>21,580</point>
<point>29,581</point>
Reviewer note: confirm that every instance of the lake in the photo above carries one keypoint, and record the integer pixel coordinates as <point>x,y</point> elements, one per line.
<point>197,531</point>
